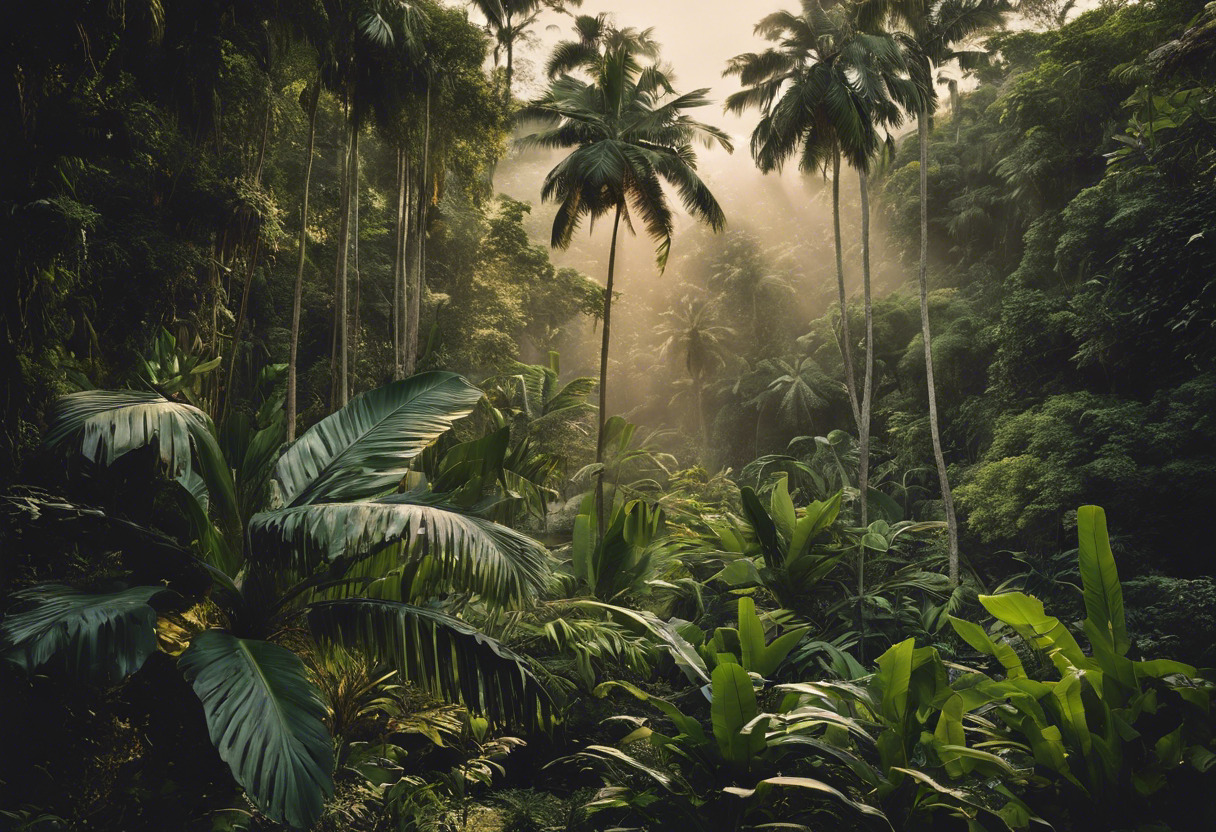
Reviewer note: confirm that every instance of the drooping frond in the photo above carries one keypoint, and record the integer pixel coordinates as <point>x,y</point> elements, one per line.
<point>105,425</point>
<point>439,653</point>
<point>472,553</point>
<point>102,637</point>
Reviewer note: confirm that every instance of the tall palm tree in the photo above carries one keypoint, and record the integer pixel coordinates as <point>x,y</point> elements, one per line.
<point>509,21</point>
<point>593,36</point>
<point>629,133</point>
<point>822,91</point>
<point>692,330</point>
<point>935,32</point>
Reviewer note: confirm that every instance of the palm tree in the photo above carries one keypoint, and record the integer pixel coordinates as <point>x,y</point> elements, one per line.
<point>822,92</point>
<point>300,568</point>
<point>629,133</point>
<point>935,30</point>
<point>593,36</point>
<point>798,389</point>
<point>692,330</point>
<point>510,20</point>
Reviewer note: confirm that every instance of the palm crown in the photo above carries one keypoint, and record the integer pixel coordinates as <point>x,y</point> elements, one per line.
<point>629,134</point>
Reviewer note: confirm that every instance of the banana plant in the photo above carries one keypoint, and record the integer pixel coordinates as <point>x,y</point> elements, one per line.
<point>745,770</point>
<point>909,726</point>
<point>619,561</point>
<point>1113,728</point>
<point>296,564</point>
<point>746,645</point>
<point>789,552</point>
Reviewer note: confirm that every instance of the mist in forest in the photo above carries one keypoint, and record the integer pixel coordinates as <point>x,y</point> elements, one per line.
<point>787,213</point>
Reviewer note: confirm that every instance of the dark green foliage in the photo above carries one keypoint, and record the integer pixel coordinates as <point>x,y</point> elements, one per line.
<point>266,721</point>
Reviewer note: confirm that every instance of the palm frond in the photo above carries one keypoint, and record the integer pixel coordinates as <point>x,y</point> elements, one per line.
<point>439,653</point>
<point>366,447</point>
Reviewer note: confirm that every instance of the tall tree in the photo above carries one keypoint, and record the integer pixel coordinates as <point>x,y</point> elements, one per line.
<point>935,34</point>
<point>510,22</point>
<point>313,96</point>
<point>629,133</point>
<point>813,90</point>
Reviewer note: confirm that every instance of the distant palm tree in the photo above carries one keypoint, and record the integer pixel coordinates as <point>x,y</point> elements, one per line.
<point>692,331</point>
<point>593,36</point>
<point>628,133</point>
<point>509,21</point>
<point>796,390</point>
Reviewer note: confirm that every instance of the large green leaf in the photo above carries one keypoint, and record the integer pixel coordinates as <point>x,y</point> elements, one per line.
<point>975,636</point>
<point>685,724</point>
<point>473,553</point>
<point>759,656</point>
<point>99,636</point>
<point>107,424</point>
<point>366,447</point>
<point>818,517</point>
<point>1100,579</point>
<point>806,783</point>
<point>439,653</point>
<point>1025,614</point>
<point>267,722</point>
<point>733,706</point>
<point>764,527</point>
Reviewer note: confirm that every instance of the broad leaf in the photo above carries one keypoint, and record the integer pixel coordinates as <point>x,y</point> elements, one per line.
<point>733,706</point>
<point>107,424</point>
<point>439,653</point>
<point>1100,579</point>
<point>473,553</point>
<point>764,527</point>
<point>366,447</point>
<point>267,722</point>
<point>104,637</point>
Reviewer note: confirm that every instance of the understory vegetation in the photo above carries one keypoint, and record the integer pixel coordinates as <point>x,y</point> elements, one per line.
<point>342,490</point>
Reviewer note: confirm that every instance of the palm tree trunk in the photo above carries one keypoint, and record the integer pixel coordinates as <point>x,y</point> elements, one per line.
<point>340,317</point>
<point>863,475</point>
<point>355,235</point>
<point>298,293</point>
<point>407,270</point>
<point>424,210</point>
<point>398,266</point>
<point>846,341</point>
<point>599,439</point>
<point>943,476</point>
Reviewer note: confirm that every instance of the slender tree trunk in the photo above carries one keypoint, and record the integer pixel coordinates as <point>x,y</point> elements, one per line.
<point>398,289</point>
<point>354,188</point>
<point>240,318</point>
<point>418,281</point>
<point>407,268</point>
<point>599,439</point>
<point>696,383</point>
<point>298,293</point>
<point>340,317</point>
<point>943,476</point>
<point>240,323</point>
<point>846,340</point>
<point>863,474</point>
<point>510,61</point>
